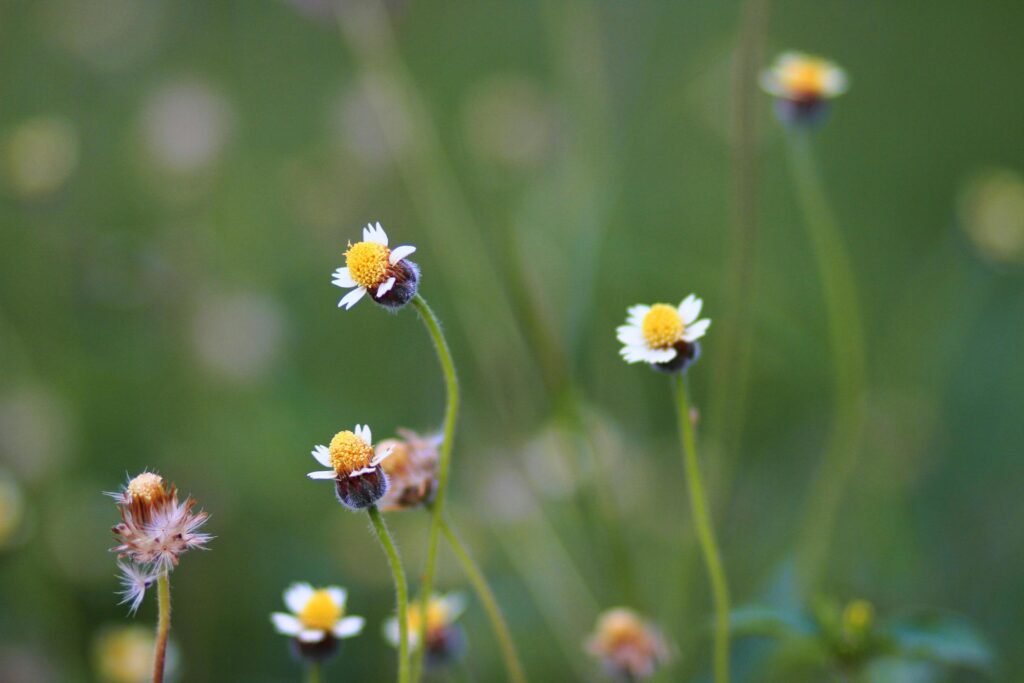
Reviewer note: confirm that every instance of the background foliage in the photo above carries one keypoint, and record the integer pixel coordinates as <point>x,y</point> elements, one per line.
<point>179,179</point>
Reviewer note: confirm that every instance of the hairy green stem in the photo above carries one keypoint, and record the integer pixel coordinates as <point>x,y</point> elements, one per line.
<point>163,625</point>
<point>451,411</point>
<point>401,591</point>
<point>705,534</point>
<point>846,337</point>
<point>314,673</point>
<point>483,591</point>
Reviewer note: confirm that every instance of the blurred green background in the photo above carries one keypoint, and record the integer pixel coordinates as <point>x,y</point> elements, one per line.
<point>179,179</point>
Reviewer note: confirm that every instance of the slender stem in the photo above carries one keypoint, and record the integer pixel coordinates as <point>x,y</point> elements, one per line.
<point>705,534</point>
<point>451,410</point>
<point>483,591</point>
<point>846,336</point>
<point>314,673</point>
<point>163,626</point>
<point>401,591</point>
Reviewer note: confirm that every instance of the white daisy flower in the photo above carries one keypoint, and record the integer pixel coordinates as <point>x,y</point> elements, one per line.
<point>799,77</point>
<point>315,615</point>
<point>442,612</point>
<point>661,334</point>
<point>372,268</point>
<point>355,467</point>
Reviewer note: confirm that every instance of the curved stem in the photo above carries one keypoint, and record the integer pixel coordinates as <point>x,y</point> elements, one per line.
<point>451,410</point>
<point>705,534</point>
<point>483,591</point>
<point>401,591</point>
<point>846,337</point>
<point>314,673</point>
<point>163,625</point>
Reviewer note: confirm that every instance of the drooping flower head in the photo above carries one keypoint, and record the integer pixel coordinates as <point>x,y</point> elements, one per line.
<point>355,467</point>
<point>316,620</point>
<point>444,637</point>
<point>802,85</point>
<point>628,647</point>
<point>411,469</point>
<point>372,268</point>
<point>662,335</point>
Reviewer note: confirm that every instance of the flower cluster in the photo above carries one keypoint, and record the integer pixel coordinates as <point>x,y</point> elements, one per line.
<point>155,530</point>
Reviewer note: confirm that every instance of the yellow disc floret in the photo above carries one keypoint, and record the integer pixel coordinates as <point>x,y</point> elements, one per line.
<point>438,615</point>
<point>805,77</point>
<point>368,263</point>
<point>662,326</point>
<point>858,615</point>
<point>349,453</point>
<point>148,487</point>
<point>321,611</point>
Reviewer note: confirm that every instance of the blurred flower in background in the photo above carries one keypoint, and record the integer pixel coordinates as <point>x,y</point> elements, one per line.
<point>629,648</point>
<point>35,431</point>
<point>992,214</point>
<point>509,120</point>
<point>39,156</point>
<point>317,620</point>
<point>186,124</point>
<point>238,336</point>
<point>802,86</point>
<point>445,639</point>
<point>369,122</point>
<point>411,468</point>
<point>124,654</point>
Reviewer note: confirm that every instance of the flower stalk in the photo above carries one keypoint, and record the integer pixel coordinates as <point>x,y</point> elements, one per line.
<point>705,533</point>
<point>163,626</point>
<point>513,666</point>
<point>401,590</point>
<point>846,334</point>
<point>451,411</point>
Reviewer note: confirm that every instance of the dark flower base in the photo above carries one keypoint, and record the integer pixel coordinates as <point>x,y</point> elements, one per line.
<point>805,112</point>
<point>444,647</point>
<point>687,353</point>
<point>362,491</point>
<point>315,652</point>
<point>407,282</point>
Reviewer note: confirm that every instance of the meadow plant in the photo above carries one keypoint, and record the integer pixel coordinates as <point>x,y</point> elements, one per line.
<point>627,646</point>
<point>155,531</point>
<point>316,622</point>
<point>666,338</point>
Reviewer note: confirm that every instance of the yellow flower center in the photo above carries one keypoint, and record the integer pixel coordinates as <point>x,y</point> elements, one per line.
<point>437,616</point>
<point>147,486</point>
<point>349,453</point>
<point>662,327</point>
<point>320,612</point>
<point>367,263</point>
<point>805,77</point>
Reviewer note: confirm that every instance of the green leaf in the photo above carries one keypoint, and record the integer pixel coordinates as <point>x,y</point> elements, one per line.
<point>941,638</point>
<point>770,621</point>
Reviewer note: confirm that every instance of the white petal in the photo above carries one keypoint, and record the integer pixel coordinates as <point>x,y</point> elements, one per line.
<point>286,623</point>
<point>690,309</point>
<point>322,455</point>
<point>348,627</point>
<point>375,233</point>
<point>352,298</point>
<point>310,635</point>
<point>328,474</point>
<point>297,595</point>
<point>630,334</point>
<point>454,605</point>
<point>390,631</point>
<point>695,331</point>
<point>381,455</point>
<point>636,354</point>
<point>342,278</point>
<point>386,286</point>
<point>637,314</point>
<point>399,253</point>
<point>365,434</point>
<point>338,595</point>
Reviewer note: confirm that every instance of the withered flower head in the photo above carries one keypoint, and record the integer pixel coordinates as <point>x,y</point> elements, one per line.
<point>411,469</point>
<point>155,528</point>
<point>628,647</point>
